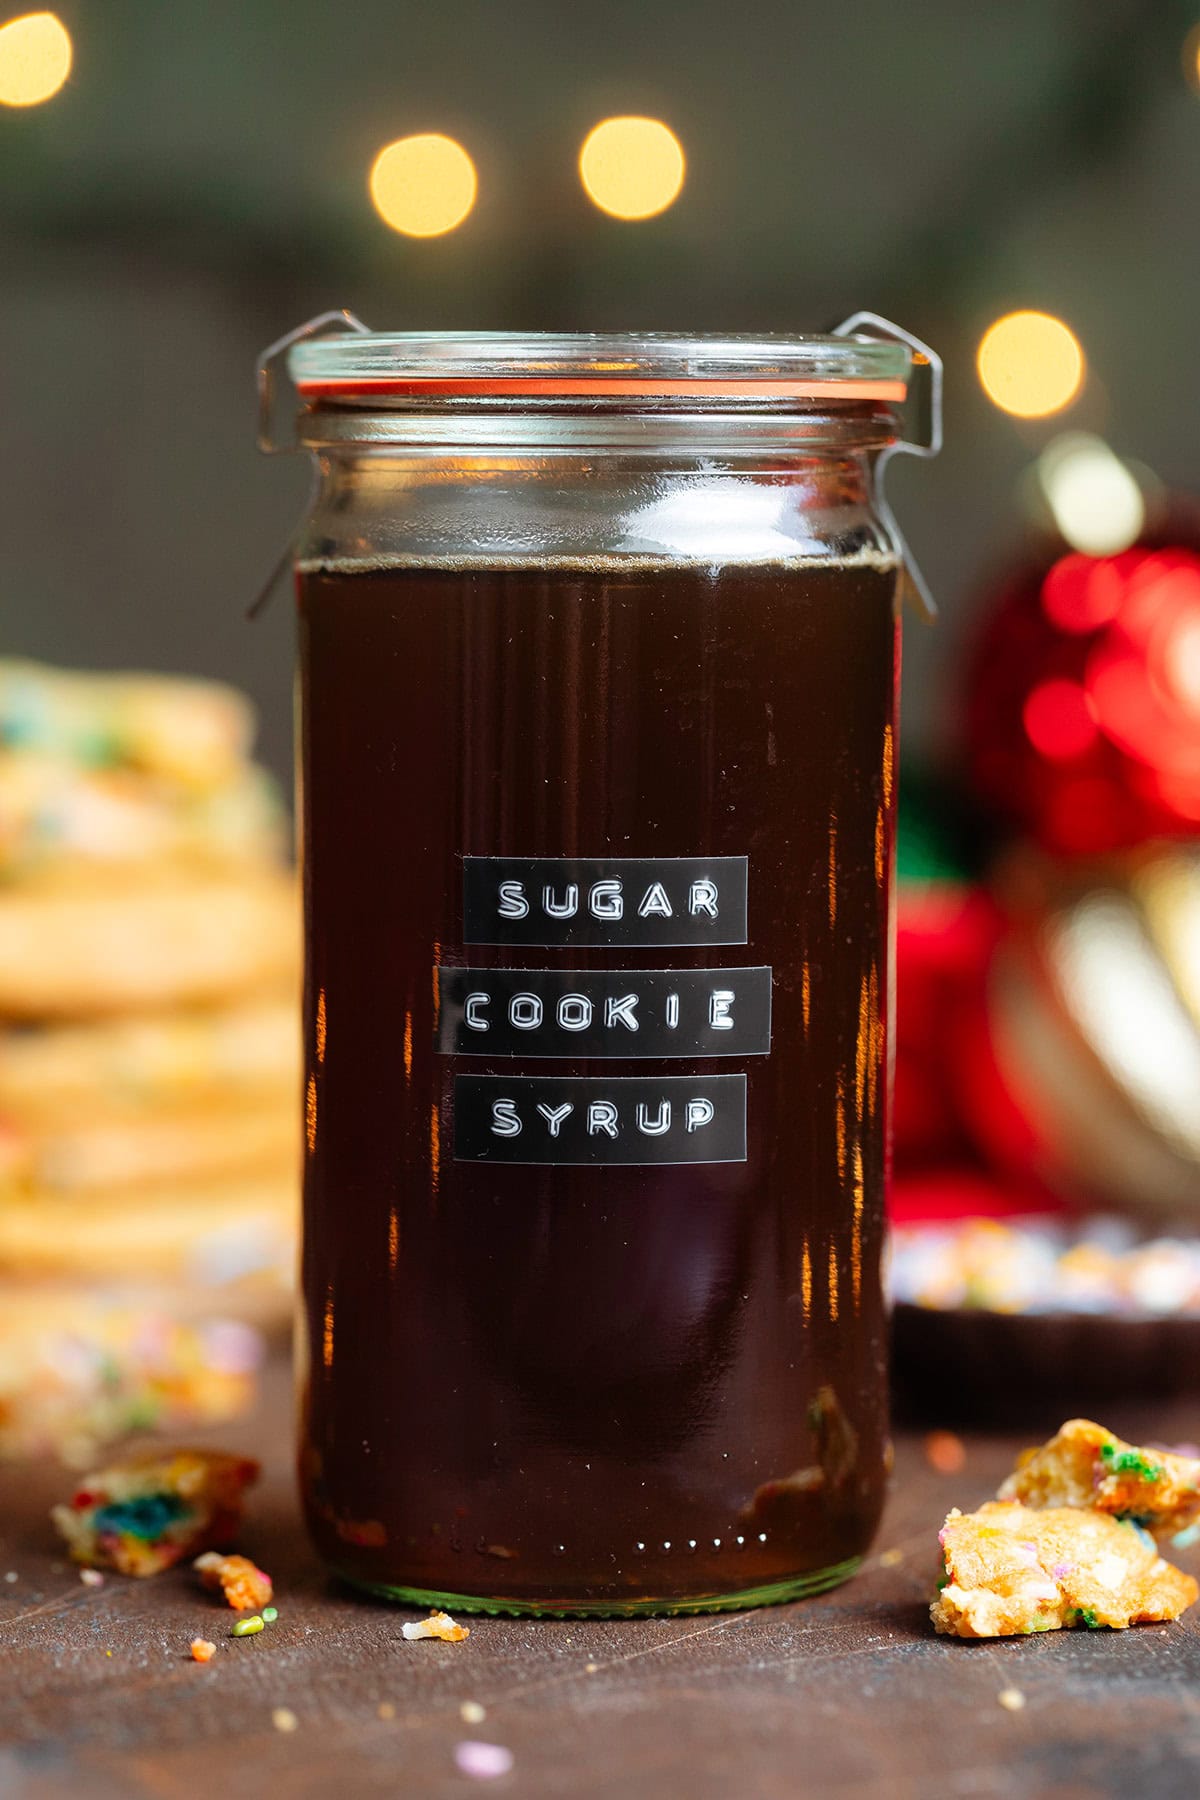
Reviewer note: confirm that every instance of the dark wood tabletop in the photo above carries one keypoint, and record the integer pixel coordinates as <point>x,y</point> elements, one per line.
<point>847,1694</point>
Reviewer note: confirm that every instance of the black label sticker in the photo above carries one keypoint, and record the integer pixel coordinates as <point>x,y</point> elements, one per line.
<point>632,900</point>
<point>580,1014</point>
<point>595,1120</point>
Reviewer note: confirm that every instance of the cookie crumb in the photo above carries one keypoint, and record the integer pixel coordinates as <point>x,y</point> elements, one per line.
<point>284,1719</point>
<point>1009,1570</point>
<point>1011,1699</point>
<point>245,1586</point>
<point>386,1710</point>
<point>202,1650</point>
<point>945,1452</point>
<point>437,1625</point>
<point>590,1668</point>
<point>155,1509</point>
<point>890,1559</point>
<point>471,1713</point>
<point>1087,1465</point>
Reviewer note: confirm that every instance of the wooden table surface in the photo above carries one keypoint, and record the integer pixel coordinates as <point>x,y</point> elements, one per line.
<point>847,1694</point>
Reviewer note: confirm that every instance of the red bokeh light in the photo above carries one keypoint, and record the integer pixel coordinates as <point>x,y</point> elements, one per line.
<point>1177,663</point>
<point>1082,592</point>
<point>1058,720</point>
<point>1124,702</point>
<point>1083,701</point>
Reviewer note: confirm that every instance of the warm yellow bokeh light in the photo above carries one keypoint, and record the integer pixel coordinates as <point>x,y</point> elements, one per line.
<point>632,168</point>
<point>1030,364</point>
<point>423,185</point>
<point>1191,56</point>
<point>35,59</point>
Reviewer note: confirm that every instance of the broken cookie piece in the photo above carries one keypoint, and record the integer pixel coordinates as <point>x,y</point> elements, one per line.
<point>437,1625</point>
<point>1010,1570</point>
<point>245,1586</point>
<point>150,1512</point>
<point>1085,1465</point>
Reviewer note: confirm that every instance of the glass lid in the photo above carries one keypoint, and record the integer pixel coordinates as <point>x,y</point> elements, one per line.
<point>372,365</point>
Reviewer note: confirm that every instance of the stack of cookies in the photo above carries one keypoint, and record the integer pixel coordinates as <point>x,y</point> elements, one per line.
<point>148,1019</point>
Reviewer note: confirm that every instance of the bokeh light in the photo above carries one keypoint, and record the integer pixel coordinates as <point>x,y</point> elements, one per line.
<point>423,185</point>
<point>1143,674</point>
<point>632,168</point>
<point>1191,57</point>
<point>1058,720</point>
<point>1181,663</point>
<point>35,58</point>
<point>1079,595</point>
<point>1097,503</point>
<point>1030,364</point>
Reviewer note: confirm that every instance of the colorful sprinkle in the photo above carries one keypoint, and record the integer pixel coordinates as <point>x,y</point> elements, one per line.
<point>284,1719</point>
<point>91,1578</point>
<point>1011,1699</point>
<point>270,1614</point>
<point>483,1761</point>
<point>471,1713</point>
<point>247,1627</point>
<point>1130,1462</point>
<point>202,1650</point>
<point>1100,1266</point>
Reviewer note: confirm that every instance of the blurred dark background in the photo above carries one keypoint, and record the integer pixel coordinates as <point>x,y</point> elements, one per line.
<point>199,185</point>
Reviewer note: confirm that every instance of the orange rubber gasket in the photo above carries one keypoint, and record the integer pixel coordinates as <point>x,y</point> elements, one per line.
<point>714,386</point>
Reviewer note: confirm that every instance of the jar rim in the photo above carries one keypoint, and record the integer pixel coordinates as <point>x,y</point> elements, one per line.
<point>616,366</point>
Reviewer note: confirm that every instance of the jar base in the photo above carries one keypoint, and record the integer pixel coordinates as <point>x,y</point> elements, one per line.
<point>772,1593</point>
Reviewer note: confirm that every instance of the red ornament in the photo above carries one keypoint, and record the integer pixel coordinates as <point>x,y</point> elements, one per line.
<point>952,1191</point>
<point>1082,723</point>
<point>946,931</point>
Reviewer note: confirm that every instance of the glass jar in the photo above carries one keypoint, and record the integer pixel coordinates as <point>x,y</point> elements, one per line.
<point>599,652</point>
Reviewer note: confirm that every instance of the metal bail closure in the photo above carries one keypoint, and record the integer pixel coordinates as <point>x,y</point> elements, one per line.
<point>871,325</point>
<point>265,376</point>
<point>325,322</point>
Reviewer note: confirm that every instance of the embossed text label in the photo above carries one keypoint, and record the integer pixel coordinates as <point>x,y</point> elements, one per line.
<point>634,901</point>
